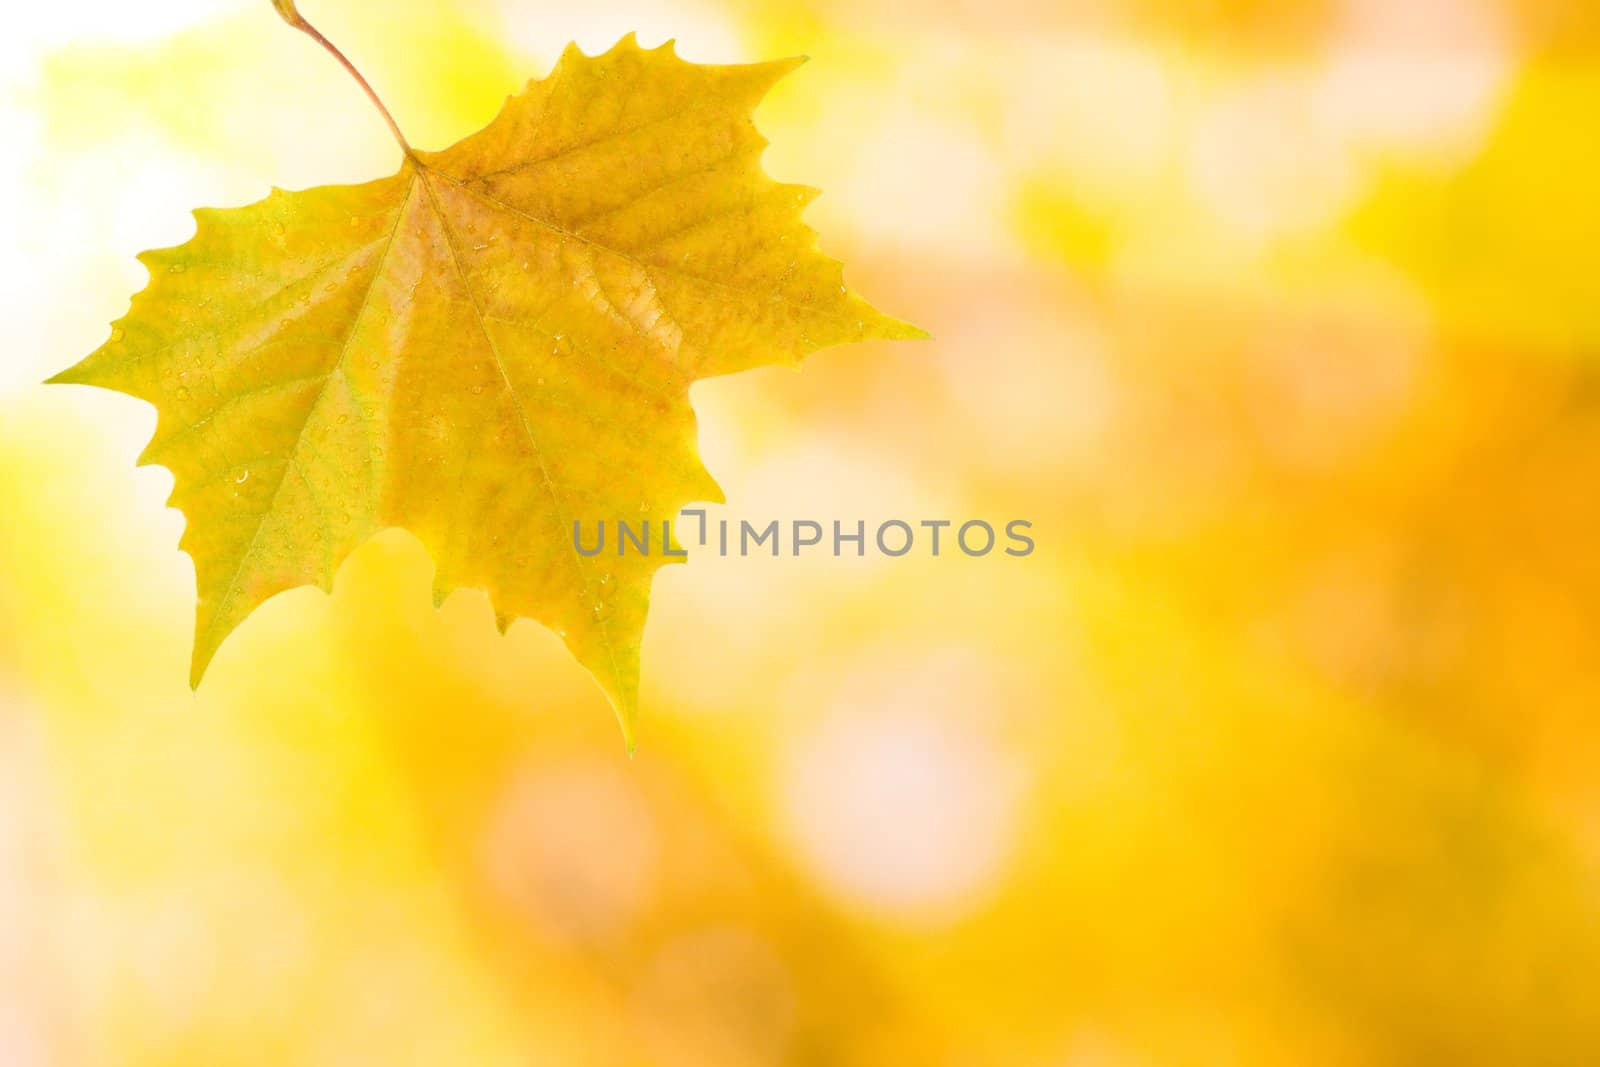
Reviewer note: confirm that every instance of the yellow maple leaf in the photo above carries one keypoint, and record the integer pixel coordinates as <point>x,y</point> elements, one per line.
<point>484,349</point>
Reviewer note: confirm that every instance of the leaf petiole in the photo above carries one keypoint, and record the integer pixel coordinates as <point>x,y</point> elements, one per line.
<point>292,16</point>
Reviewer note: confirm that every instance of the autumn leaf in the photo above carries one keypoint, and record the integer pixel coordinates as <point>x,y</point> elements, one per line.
<point>489,346</point>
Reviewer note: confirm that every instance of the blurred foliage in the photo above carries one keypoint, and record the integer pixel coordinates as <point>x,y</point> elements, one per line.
<point>1275,320</point>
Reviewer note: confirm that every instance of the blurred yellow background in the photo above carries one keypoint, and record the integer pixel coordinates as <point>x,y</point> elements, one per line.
<point>1277,319</point>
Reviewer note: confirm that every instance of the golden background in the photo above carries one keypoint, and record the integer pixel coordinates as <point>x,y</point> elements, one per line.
<point>1277,320</point>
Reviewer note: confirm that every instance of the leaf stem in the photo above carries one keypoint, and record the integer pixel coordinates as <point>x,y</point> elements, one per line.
<point>293,17</point>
